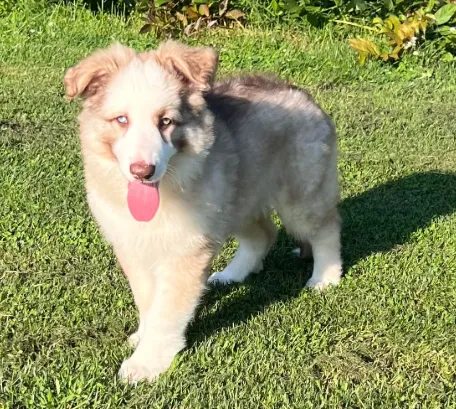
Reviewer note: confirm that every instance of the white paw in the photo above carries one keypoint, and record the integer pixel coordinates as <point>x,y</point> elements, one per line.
<point>319,284</point>
<point>297,251</point>
<point>133,339</point>
<point>132,371</point>
<point>223,277</point>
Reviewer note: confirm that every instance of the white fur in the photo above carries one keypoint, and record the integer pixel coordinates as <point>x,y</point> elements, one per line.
<point>130,94</point>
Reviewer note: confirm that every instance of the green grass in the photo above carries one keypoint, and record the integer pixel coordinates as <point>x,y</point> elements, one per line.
<point>385,338</point>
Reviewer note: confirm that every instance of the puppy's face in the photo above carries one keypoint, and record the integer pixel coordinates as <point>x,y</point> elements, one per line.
<point>139,109</point>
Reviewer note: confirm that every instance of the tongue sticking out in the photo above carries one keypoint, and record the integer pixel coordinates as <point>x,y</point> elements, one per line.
<point>143,200</point>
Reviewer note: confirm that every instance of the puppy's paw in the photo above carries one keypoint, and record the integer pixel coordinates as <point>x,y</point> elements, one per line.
<point>321,284</point>
<point>134,371</point>
<point>224,277</point>
<point>133,339</point>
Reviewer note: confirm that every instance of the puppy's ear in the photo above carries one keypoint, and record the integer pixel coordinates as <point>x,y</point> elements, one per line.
<point>89,76</point>
<point>196,67</point>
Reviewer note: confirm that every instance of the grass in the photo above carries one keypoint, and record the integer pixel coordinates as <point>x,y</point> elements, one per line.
<point>384,338</point>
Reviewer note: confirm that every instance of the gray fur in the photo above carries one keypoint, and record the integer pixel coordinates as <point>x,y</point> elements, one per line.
<point>273,148</point>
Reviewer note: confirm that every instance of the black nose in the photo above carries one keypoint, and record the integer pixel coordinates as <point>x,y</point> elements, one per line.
<point>142,170</point>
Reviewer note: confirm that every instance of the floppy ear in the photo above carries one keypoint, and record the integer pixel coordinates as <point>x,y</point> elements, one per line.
<point>89,76</point>
<point>194,66</point>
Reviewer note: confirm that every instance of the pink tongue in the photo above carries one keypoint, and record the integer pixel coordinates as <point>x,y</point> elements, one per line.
<point>143,200</point>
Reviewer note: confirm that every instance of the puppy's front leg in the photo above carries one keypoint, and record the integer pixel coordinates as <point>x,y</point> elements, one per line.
<point>179,287</point>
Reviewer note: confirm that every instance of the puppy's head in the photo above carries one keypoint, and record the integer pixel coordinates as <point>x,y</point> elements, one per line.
<point>142,108</point>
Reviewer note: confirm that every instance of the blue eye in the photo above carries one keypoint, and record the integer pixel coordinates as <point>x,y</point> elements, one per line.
<point>122,120</point>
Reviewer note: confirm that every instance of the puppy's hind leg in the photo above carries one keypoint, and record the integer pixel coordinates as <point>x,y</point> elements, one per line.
<point>255,240</point>
<point>324,239</point>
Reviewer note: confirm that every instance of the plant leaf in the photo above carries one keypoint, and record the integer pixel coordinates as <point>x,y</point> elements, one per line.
<point>145,28</point>
<point>234,14</point>
<point>192,14</point>
<point>448,57</point>
<point>359,5</point>
<point>275,6</point>
<point>223,7</point>
<point>159,3</point>
<point>181,17</point>
<point>198,24</point>
<point>211,23</point>
<point>364,46</point>
<point>388,4</point>
<point>430,6</point>
<point>188,29</point>
<point>204,10</point>
<point>396,23</point>
<point>444,14</point>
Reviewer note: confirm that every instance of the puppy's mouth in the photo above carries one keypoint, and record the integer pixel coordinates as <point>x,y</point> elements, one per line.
<point>143,199</point>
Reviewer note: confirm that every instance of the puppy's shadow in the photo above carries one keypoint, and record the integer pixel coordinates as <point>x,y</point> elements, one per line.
<point>375,221</point>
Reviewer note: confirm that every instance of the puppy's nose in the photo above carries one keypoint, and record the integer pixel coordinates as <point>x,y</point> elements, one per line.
<point>142,170</point>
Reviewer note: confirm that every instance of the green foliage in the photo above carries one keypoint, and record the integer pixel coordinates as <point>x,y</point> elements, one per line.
<point>165,17</point>
<point>318,12</point>
<point>405,33</point>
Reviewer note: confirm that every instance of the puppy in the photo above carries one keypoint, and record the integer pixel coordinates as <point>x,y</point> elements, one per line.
<point>175,164</point>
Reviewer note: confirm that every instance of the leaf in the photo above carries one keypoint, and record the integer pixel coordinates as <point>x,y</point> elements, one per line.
<point>448,57</point>
<point>394,55</point>
<point>192,14</point>
<point>181,17</point>
<point>396,23</point>
<point>275,6</point>
<point>360,5</point>
<point>188,29</point>
<point>445,31</point>
<point>364,46</point>
<point>234,14</point>
<point>159,3</point>
<point>145,28</point>
<point>294,8</point>
<point>388,4</point>
<point>223,7</point>
<point>204,10</point>
<point>313,9</point>
<point>430,6</point>
<point>211,23</point>
<point>444,14</point>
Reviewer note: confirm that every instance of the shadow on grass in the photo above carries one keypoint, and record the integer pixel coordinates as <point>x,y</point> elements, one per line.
<point>374,221</point>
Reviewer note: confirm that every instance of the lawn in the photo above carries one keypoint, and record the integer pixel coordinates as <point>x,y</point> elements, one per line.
<point>385,338</point>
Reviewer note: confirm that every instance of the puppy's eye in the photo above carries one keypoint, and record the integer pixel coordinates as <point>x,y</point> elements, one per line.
<point>122,120</point>
<point>164,122</point>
